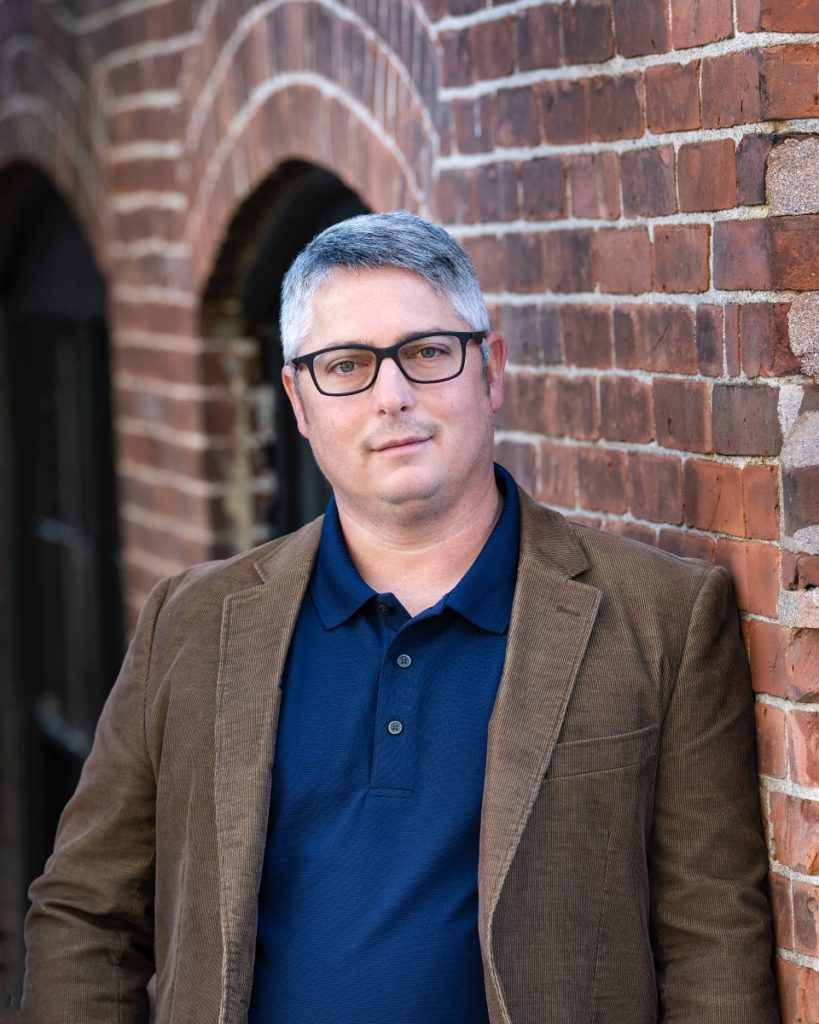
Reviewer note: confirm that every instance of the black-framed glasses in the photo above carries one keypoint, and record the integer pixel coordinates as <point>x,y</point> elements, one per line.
<point>423,359</point>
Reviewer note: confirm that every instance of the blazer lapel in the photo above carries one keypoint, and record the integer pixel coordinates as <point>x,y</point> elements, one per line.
<point>552,618</point>
<point>257,624</point>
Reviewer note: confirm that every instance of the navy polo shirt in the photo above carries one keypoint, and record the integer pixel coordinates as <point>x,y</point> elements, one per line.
<point>368,908</point>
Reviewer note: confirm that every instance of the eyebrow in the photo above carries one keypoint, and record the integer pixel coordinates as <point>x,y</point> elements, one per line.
<point>411,336</point>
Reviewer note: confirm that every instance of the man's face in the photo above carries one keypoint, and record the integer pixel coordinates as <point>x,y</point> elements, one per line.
<point>399,445</point>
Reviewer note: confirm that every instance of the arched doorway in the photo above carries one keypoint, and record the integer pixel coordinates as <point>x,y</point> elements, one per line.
<point>61,624</point>
<point>289,208</point>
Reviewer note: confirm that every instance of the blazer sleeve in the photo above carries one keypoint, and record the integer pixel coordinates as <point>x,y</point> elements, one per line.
<point>708,858</point>
<point>89,932</point>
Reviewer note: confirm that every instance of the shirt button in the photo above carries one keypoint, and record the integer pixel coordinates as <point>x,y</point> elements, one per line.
<point>395,727</point>
<point>384,609</point>
<point>403,661</point>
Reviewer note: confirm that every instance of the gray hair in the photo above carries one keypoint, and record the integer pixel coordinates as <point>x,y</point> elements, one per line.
<point>375,241</point>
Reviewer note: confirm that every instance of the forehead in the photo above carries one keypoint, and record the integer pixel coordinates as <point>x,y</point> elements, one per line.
<point>377,306</point>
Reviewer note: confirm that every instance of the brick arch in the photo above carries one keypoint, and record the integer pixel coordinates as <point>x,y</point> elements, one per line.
<point>49,125</point>
<point>314,81</point>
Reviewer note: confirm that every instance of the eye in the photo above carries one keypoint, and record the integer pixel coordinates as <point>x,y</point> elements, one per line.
<point>342,366</point>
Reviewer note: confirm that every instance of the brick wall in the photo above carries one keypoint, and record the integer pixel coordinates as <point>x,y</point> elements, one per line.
<point>637,183</point>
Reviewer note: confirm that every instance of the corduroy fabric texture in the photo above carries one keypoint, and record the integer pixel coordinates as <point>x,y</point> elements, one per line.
<point>622,867</point>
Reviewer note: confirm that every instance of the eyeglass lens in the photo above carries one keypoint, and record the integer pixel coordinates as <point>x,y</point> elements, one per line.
<point>425,360</point>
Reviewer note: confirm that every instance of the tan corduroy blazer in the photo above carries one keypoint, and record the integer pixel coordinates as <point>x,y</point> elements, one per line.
<point>622,867</point>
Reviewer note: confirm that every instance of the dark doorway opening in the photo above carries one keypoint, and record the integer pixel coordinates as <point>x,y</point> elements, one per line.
<point>61,626</point>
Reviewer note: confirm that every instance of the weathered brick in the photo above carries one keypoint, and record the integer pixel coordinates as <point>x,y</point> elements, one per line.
<point>754,566</point>
<point>771,752</point>
<point>752,158</point>
<point>789,81</point>
<point>726,499</point>
<point>682,414</point>
<point>731,315</point>
<point>687,544</point>
<point>594,182</point>
<point>622,260</point>
<point>745,420</point>
<point>789,16</point>
<point>681,258</point>
<point>474,123</point>
<point>615,107</point>
<point>587,335</point>
<point>532,334</point>
<point>706,172</point>
<point>749,15</point>
<point>538,37</point>
<point>656,338</point>
<point>794,245</point>
<point>601,478</point>
<point>625,409</point>
<point>800,497</point>
<point>575,407</point>
<point>784,662</point>
<point>525,405</point>
<point>456,58</point>
<point>640,27</point>
<point>798,992</point>
<point>543,188</point>
<point>796,833</point>
<point>709,340</point>
<point>563,107</point>
<point>568,261</point>
<point>761,501</point>
<point>780,889</point>
<point>742,254</point>
<point>730,89</point>
<point>496,192</point>
<point>695,22</point>
<point>763,340</point>
<point>587,32</point>
<point>648,181</point>
<point>486,252</point>
<point>557,484</point>
<point>799,571</point>
<point>523,257</point>
<point>672,97</point>
<point>654,487</point>
<point>520,459</point>
<point>492,48</point>
<point>517,117</point>
<point>806,912</point>
<point>803,747</point>
<point>634,531</point>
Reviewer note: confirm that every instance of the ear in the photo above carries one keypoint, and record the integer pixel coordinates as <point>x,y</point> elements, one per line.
<point>495,368</point>
<point>292,389</point>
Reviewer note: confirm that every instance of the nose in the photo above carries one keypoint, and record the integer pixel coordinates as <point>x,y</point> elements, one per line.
<point>391,392</point>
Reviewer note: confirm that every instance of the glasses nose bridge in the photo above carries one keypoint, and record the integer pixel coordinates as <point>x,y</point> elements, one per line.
<point>388,353</point>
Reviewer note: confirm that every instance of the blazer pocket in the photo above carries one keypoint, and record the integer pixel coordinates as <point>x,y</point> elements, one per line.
<point>581,757</point>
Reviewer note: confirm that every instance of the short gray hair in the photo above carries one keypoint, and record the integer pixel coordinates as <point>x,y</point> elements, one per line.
<point>376,241</point>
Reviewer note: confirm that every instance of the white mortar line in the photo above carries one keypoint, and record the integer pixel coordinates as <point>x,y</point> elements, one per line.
<point>790,788</point>
<point>141,295</point>
<point>810,962</point>
<point>116,12</point>
<point>134,152</point>
<point>787,705</point>
<point>129,202</point>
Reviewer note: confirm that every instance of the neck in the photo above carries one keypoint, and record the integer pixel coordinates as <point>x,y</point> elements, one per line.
<point>420,557</point>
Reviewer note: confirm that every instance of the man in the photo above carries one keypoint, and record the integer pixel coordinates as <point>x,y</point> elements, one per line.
<point>514,773</point>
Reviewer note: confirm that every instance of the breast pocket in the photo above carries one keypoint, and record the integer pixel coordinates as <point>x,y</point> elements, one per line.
<point>582,757</point>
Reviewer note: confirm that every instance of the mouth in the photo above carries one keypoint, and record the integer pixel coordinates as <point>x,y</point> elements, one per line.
<point>401,444</point>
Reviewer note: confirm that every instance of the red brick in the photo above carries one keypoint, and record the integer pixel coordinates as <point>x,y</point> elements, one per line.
<point>687,545</point>
<point>496,192</point>
<point>742,256</point>
<point>760,499</point>
<point>625,409</point>
<point>456,58</point>
<point>749,15</point>
<point>794,243</point>
<point>745,420</point>
<point>656,338</point>
<point>673,97</point>
<point>648,181</point>
<point>532,334</point>
<point>543,188</point>
<point>455,199</point>
<point>730,89</point>
<point>789,87</point>
<point>475,122</point>
<point>520,460</point>
<point>706,172</point>
<point>587,35</point>
<point>784,662</point>
<point>538,36</point>
<point>790,16</point>
<point>796,832</point>
<point>800,497</point>
<point>486,253</point>
<point>601,479</point>
<point>525,404</point>
<point>802,664</point>
<point>615,107</point>
<point>622,260</point>
<point>799,572</point>
<point>771,752</point>
<point>575,407</point>
<point>732,339</point>
<point>752,159</point>
<point>523,258</point>
<point>780,889</point>
<point>681,258</point>
<point>682,414</point>
<point>713,497</point>
<point>763,340</point>
<point>492,48</point>
<point>587,335</point>
<point>640,27</point>
<point>568,261</point>
<point>634,531</point>
<point>798,992</point>
<point>696,22</point>
<point>563,111</point>
<point>654,487</point>
<point>558,475</point>
<point>594,181</point>
<point>806,918</point>
<point>709,340</point>
<point>755,569</point>
<point>803,747</point>
<point>517,117</point>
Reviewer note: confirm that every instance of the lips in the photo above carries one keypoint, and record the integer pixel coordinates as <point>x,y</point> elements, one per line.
<point>400,442</point>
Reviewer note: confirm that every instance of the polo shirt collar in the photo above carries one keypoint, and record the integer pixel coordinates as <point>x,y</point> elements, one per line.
<point>483,595</point>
